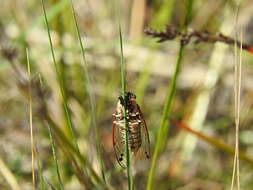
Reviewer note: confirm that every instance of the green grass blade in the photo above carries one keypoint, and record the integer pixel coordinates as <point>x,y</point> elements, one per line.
<point>60,80</point>
<point>90,94</point>
<point>188,16</point>
<point>123,90</point>
<point>55,158</point>
<point>164,125</point>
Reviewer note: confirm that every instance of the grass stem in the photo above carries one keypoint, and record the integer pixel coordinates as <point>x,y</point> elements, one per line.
<point>164,125</point>
<point>237,95</point>
<point>123,90</point>
<point>31,119</point>
<point>90,93</point>
<point>60,80</point>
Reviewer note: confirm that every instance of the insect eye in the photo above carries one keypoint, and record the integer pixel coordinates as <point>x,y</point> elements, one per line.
<point>130,95</point>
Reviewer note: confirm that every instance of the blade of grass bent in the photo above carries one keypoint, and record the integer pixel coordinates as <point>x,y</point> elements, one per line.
<point>67,143</point>
<point>123,90</point>
<point>213,141</point>
<point>58,75</point>
<point>90,94</point>
<point>31,119</point>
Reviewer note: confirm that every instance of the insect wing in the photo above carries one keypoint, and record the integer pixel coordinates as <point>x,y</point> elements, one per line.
<point>118,142</point>
<point>144,135</point>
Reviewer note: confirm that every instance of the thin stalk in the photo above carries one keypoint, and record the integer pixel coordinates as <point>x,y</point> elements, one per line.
<point>164,125</point>
<point>31,119</point>
<point>66,108</point>
<point>123,90</point>
<point>237,95</point>
<point>55,158</point>
<point>90,94</point>
<point>188,16</point>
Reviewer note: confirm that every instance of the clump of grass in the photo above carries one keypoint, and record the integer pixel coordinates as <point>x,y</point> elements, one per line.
<point>70,149</point>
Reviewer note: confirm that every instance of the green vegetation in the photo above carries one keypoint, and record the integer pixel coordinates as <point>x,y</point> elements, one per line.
<point>64,64</point>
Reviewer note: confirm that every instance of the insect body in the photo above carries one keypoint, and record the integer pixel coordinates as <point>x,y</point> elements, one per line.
<point>138,138</point>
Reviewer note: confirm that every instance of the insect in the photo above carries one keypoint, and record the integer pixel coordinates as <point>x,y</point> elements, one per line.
<point>138,137</point>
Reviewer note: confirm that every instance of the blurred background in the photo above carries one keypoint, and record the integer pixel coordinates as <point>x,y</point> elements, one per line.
<point>204,98</point>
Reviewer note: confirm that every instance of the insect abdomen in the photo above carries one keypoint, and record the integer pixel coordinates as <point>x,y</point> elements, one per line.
<point>134,135</point>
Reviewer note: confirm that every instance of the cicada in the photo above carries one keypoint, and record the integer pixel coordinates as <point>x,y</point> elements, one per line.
<point>138,137</point>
